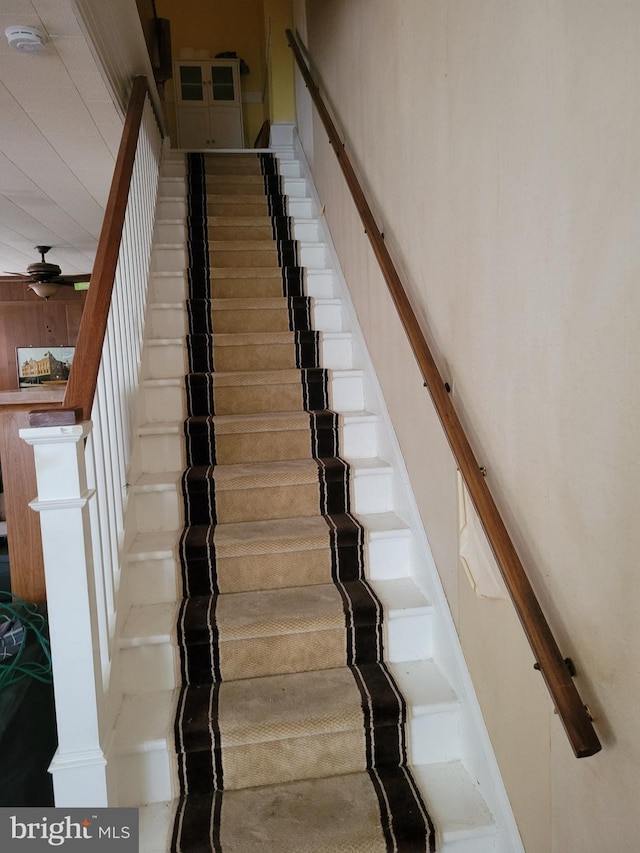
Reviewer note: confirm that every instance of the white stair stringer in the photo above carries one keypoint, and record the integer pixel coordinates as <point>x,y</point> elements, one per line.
<point>438,724</point>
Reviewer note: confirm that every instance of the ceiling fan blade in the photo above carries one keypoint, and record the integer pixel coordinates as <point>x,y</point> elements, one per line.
<point>71,279</point>
<point>16,277</point>
<point>21,274</point>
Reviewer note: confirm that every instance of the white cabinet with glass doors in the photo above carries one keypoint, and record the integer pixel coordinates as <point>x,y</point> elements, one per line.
<point>209,103</point>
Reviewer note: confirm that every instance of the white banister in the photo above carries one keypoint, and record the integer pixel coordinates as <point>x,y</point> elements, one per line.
<point>82,474</point>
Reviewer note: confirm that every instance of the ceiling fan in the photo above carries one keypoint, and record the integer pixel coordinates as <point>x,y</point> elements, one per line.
<point>44,278</point>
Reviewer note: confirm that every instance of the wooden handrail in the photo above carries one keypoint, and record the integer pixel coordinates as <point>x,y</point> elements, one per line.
<point>571,710</point>
<point>84,370</point>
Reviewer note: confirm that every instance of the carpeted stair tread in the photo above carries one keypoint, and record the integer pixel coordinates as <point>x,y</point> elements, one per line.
<point>268,537</point>
<point>263,245</point>
<point>288,472</point>
<point>255,339</point>
<point>232,315</point>
<point>223,222</point>
<point>258,422</point>
<point>300,704</point>
<point>231,184</point>
<point>258,392</point>
<point>265,632</point>
<point>255,303</point>
<point>228,256</point>
<point>236,164</point>
<point>238,205</point>
<point>272,350</point>
<point>274,707</point>
<point>253,555</point>
<point>267,613</point>
<point>280,728</point>
<point>340,814</point>
<point>260,437</point>
<point>246,272</point>
<point>278,490</point>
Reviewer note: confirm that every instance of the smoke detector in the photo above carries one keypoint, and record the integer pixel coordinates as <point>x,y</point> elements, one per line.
<point>25,39</point>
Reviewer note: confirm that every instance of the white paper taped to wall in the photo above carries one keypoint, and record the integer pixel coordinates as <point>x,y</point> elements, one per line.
<point>475,552</point>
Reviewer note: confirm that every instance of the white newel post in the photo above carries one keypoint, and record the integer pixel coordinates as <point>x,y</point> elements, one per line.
<point>79,766</point>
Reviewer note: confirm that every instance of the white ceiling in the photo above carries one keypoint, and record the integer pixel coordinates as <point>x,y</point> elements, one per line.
<point>59,135</point>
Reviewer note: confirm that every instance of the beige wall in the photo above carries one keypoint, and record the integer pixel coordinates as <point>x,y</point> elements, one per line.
<point>500,143</point>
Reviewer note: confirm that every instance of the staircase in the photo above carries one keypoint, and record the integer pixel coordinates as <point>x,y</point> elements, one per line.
<point>299,760</point>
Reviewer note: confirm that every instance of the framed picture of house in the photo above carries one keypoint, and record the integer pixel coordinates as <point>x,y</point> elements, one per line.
<point>39,366</point>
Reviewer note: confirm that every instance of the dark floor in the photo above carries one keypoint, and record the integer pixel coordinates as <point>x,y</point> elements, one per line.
<point>27,737</point>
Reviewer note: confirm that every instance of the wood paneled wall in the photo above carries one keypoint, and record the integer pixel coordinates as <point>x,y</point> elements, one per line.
<point>27,320</point>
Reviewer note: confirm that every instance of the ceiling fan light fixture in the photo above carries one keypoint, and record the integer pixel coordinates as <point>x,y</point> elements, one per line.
<point>44,289</point>
<point>25,39</point>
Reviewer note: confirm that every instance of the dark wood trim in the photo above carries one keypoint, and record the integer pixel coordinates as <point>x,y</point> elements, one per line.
<point>84,371</point>
<point>572,711</point>
<point>55,417</point>
<point>19,481</point>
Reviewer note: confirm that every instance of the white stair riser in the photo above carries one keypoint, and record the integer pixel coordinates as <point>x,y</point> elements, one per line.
<point>372,490</point>
<point>296,187</point>
<point>326,316</point>
<point>474,844</point>
<point>304,208</point>
<point>408,636</point>
<point>144,777</point>
<point>336,350</point>
<point>168,258</point>
<point>164,361</point>
<point>153,581</point>
<point>312,255</point>
<point>359,439</point>
<point>306,230</point>
<point>160,401</point>
<point>347,391</point>
<point>173,169</point>
<point>158,510</point>
<point>149,667</point>
<point>166,321</point>
<point>319,284</point>
<point>170,230</point>
<point>435,737</point>
<point>163,452</point>
<point>171,188</point>
<point>290,169</point>
<point>171,208</point>
<point>389,556</point>
<point>167,288</point>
